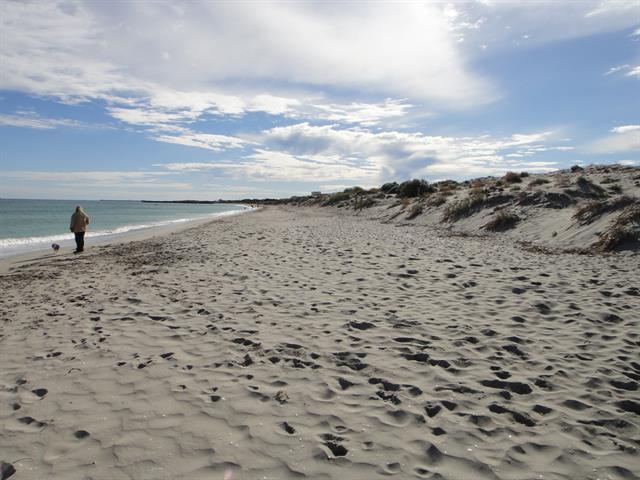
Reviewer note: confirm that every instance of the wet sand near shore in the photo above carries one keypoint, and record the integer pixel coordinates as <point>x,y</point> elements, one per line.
<point>311,343</point>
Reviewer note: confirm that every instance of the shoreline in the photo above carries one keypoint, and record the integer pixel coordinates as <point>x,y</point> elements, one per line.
<point>16,260</point>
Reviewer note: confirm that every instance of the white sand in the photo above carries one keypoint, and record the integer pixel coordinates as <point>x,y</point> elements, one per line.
<point>308,343</point>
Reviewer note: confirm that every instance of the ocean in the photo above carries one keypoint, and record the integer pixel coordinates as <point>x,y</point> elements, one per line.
<point>28,225</point>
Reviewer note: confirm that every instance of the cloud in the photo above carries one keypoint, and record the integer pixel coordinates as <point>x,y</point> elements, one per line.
<point>81,51</point>
<point>507,25</point>
<point>396,155</point>
<point>362,67</point>
<point>365,114</point>
<point>187,166</point>
<point>614,8</point>
<point>87,178</point>
<point>92,184</point>
<point>283,166</point>
<point>630,70</point>
<point>167,185</point>
<point>625,128</point>
<point>625,138</point>
<point>617,69</point>
<point>336,187</point>
<point>208,141</point>
<point>279,165</point>
<point>30,119</point>
<point>227,59</point>
<point>332,154</point>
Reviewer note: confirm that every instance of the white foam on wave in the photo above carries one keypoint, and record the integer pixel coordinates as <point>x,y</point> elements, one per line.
<point>12,246</point>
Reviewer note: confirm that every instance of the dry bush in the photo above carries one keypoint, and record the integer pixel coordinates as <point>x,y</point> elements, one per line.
<point>368,202</point>
<point>466,206</point>
<point>511,177</point>
<point>609,180</point>
<point>414,188</point>
<point>588,186</point>
<point>391,187</point>
<point>437,199</point>
<point>477,184</point>
<point>447,189</point>
<point>405,202</point>
<point>502,221</point>
<point>416,210</point>
<point>446,186</point>
<point>626,228</point>
<point>588,212</point>
<point>336,198</point>
<point>537,182</point>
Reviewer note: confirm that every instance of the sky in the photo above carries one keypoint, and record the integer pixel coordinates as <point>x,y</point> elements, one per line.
<point>252,99</point>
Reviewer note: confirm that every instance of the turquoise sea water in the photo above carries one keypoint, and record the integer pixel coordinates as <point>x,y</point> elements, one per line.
<point>34,224</point>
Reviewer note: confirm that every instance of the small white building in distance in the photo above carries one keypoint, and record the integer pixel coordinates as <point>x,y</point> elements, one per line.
<point>316,194</point>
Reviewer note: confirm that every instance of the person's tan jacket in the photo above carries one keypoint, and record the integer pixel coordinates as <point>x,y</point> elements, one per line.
<point>79,222</point>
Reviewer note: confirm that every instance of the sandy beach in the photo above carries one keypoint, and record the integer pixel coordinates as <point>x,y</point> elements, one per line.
<point>313,343</point>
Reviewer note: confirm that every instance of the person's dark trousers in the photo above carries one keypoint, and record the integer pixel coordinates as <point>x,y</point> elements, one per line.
<point>79,241</point>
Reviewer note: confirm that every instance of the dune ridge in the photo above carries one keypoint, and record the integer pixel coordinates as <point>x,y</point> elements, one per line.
<point>587,210</point>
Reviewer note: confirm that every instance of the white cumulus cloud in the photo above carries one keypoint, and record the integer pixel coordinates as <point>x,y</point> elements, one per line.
<point>625,138</point>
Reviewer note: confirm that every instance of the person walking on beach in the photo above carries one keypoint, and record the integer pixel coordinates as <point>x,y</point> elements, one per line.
<point>79,222</point>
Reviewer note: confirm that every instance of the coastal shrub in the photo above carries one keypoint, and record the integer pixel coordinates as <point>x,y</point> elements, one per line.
<point>414,188</point>
<point>465,206</point>
<point>477,184</point>
<point>437,199</point>
<point>588,212</point>
<point>416,210</point>
<point>609,180</point>
<point>515,188</point>
<point>391,187</point>
<point>447,186</point>
<point>524,174</point>
<point>457,209</point>
<point>368,202</point>
<point>615,189</point>
<point>545,199</point>
<point>625,229</point>
<point>577,168</point>
<point>502,221</point>
<point>336,198</point>
<point>352,190</point>
<point>586,186</point>
<point>511,177</point>
<point>538,181</point>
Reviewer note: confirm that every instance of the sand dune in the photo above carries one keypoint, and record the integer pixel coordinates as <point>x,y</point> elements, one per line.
<point>311,343</point>
<point>581,210</point>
